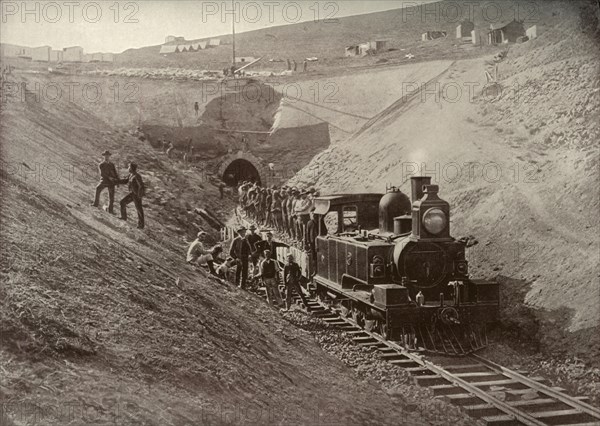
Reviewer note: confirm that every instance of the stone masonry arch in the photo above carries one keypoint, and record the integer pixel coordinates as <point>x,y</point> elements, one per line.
<point>243,165</point>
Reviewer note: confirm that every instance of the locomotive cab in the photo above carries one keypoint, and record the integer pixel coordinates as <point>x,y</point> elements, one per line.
<point>346,214</point>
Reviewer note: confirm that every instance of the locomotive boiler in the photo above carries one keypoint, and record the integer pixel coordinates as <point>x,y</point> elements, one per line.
<point>391,263</point>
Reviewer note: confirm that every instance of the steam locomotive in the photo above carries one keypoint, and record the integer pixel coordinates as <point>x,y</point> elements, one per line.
<point>391,264</point>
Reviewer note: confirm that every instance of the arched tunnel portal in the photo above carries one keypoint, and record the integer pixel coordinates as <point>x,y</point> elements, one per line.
<point>240,170</point>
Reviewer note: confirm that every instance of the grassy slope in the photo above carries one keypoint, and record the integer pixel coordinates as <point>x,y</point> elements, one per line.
<point>108,319</point>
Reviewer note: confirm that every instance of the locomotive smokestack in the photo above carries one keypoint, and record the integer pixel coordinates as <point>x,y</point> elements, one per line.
<point>417,183</point>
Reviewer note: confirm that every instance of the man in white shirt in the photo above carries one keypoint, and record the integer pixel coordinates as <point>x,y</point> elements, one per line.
<point>302,214</point>
<point>198,255</point>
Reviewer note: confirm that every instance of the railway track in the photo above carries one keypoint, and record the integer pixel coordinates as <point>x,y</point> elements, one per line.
<point>496,395</point>
<point>485,390</point>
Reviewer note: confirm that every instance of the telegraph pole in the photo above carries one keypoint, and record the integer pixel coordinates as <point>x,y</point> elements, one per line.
<point>233,30</point>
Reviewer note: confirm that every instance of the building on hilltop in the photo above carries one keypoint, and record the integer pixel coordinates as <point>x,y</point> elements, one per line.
<point>73,54</point>
<point>15,51</point>
<point>9,50</point>
<point>506,32</point>
<point>366,48</point>
<point>464,29</point>
<point>96,57</point>
<point>174,39</point>
<point>41,54</point>
<point>56,56</point>
<point>214,42</point>
<point>182,48</point>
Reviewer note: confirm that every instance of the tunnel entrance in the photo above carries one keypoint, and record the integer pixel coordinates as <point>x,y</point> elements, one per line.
<point>240,170</point>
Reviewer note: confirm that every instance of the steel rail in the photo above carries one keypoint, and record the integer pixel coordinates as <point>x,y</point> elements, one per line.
<point>519,415</point>
<point>540,387</point>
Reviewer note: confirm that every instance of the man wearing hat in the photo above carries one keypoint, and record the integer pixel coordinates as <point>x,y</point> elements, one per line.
<point>291,278</point>
<point>283,194</point>
<point>253,238</point>
<point>240,250</point>
<point>136,192</point>
<point>267,207</point>
<point>276,215</point>
<point>310,241</point>
<point>268,244</point>
<point>269,272</point>
<point>293,216</point>
<point>302,211</point>
<point>108,179</point>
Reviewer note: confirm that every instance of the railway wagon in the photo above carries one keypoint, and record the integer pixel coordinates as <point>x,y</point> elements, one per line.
<point>390,263</point>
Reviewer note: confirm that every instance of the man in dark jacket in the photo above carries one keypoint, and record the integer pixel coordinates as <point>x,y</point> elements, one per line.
<point>108,179</point>
<point>253,238</point>
<point>268,244</point>
<point>269,272</point>
<point>310,242</point>
<point>240,251</point>
<point>136,192</point>
<point>291,278</point>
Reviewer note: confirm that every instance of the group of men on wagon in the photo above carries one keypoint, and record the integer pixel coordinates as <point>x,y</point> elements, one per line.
<point>288,210</point>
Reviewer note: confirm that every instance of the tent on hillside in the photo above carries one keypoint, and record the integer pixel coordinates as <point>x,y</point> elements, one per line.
<point>168,49</point>
<point>352,51</point>
<point>531,32</point>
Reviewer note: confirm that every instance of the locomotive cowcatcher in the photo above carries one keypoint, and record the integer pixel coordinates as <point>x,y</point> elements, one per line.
<point>392,265</point>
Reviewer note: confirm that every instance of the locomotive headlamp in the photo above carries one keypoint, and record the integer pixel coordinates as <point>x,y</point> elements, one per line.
<point>434,221</point>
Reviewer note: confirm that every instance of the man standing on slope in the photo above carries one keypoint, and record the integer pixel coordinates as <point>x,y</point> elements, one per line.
<point>253,238</point>
<point>291,278</point>
<point>269,272</point>
<point>240,251</point>
<point>108,179</point>
<point>136,192</point>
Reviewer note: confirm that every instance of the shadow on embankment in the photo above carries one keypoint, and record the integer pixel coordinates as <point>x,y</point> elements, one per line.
<point>531,330</point>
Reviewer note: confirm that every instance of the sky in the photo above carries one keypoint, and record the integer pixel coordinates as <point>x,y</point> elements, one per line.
<point>114,26</point>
